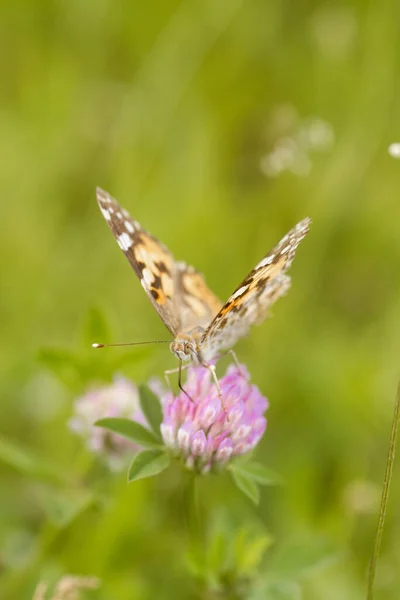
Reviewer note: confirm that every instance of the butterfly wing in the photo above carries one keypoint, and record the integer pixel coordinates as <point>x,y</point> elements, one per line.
<point>152,262</point>
<point>197,304</point>
<point>250,302</point>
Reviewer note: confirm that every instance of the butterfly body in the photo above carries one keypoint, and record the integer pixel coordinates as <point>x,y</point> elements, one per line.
<point>201,325</point>
<point>186,346</point>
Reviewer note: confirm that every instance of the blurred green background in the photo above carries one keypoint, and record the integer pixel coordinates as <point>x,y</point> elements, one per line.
<point>218,125</point>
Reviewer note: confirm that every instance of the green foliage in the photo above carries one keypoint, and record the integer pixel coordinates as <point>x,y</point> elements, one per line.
<point>147,464</point>
<point>64,365</point>
<point>96,328</point>
<point>257,472</point>
<point>280,591</point>
<point>248,475</point>
<point>292,561</point>
<point>247,485</point>
<point>17,457</point>
<point>85,365</point>
<point>64,507</point>
<point>231,558</point>
<point>131,430</point>
<point>151,408</point>
<point>242,561</point>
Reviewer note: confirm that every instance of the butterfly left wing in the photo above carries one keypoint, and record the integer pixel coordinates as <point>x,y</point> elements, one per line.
<point>250,302</point>
<point>152,262</point>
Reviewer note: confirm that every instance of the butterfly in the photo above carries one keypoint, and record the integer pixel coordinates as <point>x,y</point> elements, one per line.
<point>201,325</point>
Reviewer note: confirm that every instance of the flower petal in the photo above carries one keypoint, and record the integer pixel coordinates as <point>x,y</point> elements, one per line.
<point>199,443</point>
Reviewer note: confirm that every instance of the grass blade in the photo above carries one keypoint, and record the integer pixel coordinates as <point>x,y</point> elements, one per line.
<point>385,496</point>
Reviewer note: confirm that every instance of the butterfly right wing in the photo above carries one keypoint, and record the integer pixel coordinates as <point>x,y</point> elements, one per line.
<point>250,302</point>
<point>152,262</point>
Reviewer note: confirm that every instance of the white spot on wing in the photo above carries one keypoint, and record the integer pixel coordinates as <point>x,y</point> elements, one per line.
<point>147,276</point>
<point>119,215</point>
<point>265,261</point>
<point>106,214</point>
<point>124,241</point>
<point>240,291</point>
<point>103,197</point>
<point>129,226</point>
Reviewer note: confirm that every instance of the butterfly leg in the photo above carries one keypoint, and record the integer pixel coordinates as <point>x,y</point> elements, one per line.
<point>211,368</point>
<point>179,371</point>
<point>180,380</point>
<point>235,360</point>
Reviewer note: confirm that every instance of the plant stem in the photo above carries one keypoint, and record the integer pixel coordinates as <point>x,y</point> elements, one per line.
<point>385,496</point>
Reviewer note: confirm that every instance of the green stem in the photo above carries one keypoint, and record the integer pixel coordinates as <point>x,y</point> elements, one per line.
<point>385,496</point>
<point>192,507</point>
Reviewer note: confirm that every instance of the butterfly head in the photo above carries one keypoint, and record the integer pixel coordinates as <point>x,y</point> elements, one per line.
<point>185,346</point>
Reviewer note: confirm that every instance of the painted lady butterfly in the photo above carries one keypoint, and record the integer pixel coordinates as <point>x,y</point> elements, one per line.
<point>200,323</point>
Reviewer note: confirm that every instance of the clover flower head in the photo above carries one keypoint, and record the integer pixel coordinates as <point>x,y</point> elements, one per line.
<point>205,431</point>
<point>119,399</point>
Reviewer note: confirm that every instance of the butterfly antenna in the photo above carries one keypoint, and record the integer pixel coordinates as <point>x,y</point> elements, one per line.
<point>130,344</point>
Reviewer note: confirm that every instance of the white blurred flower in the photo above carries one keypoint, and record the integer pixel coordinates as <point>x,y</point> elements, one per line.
<point>301,165</point>
<point>295,140</point>
<point>394,150</point>
<point>315,134</point>
<point>280,158</point>
<point>361,497</point>
<point>120,399</point>
<point>334,29</point>
<point>68,588</point>
<point>283,119</point>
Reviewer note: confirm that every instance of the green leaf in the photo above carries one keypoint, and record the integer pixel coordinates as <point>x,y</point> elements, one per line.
<point>63,507</point>
<point>151,408</point>
<point>250,551</point>
<point>287,590</point>
<point>25,462</point>
<point>63,364</point>
<point>257,472</point>
<point>246,485</point>
<point>96,328</point>
<point>131,430</point>
<point>216,555</point>
<point>122,358</point>
<point>147,464</point>
<point>291,561</point>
